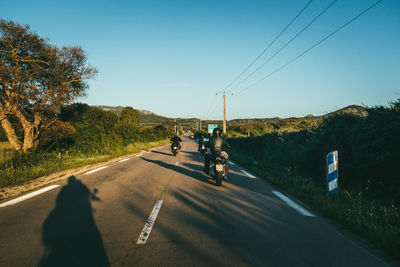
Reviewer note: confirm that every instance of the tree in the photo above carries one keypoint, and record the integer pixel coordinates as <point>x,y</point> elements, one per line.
<point>130,117</point>
<point>35,77</point>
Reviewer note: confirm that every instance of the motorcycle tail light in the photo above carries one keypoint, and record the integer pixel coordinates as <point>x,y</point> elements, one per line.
<point>219,167</point>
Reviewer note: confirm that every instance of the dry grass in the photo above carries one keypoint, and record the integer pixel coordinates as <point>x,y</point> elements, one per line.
<point>6,151</point>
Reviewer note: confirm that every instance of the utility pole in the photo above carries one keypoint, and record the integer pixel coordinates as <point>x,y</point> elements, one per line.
<point>224,123</point>
<point>200,124</point>
<point>223,93</point>
<point>175,125</point>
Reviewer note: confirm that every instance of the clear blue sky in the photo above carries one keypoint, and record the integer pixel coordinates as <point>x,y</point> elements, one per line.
<point>171,57</point>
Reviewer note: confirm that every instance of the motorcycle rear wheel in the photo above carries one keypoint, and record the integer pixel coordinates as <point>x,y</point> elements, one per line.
<point>218,178</point>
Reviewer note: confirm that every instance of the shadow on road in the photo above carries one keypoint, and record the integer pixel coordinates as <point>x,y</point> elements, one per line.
<point>192,174</point>
<point>69,232</point>
<point>163,153</point>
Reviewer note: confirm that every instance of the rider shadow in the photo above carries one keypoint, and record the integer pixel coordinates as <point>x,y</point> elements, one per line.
<point>163,153</point>
<point>195,175</point>
<point>69,233</point>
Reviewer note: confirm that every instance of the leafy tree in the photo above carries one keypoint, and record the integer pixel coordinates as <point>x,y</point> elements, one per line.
<point>130,117</point>
<point>73,112</point>
<point>35,77</point>
<point>170,125</point>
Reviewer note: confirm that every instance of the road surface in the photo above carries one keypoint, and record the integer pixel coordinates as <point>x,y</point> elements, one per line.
<point>155,209</point>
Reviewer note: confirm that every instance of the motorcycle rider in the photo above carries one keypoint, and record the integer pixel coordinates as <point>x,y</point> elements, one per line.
<point>202,140</point>
<point>175,141</point>
<point>216,144</point>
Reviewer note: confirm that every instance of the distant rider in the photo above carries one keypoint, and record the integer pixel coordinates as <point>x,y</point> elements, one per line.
<point>203,140</point>
<point>175,141</point>
<point>216,144</point>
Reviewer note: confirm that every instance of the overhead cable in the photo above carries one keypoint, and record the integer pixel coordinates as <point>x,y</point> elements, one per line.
<point>285,45</point>
<point>309,49</point>
<point>265,49</point>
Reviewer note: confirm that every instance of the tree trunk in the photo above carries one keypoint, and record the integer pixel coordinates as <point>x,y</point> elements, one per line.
<point>10,133</point>
<point>28,139</point>
<point>31,134</point>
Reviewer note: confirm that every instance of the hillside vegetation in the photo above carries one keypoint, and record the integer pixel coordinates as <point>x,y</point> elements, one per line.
<point>80,135</point>
<point>146,117</point>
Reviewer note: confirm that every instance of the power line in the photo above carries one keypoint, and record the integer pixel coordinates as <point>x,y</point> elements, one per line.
<point>211,106</point>
<point>265,49</point>
<point>285,45</point>
<point>312,47</point>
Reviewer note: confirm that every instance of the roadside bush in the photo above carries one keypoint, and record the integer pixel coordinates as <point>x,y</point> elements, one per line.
<point>369,148</point>
<point>369,151</point>
<point>56,135</point>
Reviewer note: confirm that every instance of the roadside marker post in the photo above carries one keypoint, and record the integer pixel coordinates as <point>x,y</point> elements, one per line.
<point>332,173</point>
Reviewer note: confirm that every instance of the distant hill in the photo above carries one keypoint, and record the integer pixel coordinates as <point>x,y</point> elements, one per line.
<point>117,110</point>
<point>352,109</point>
<point>149,118</point>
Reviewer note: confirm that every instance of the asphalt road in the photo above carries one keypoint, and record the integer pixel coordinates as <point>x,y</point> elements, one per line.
<point>96,219</point>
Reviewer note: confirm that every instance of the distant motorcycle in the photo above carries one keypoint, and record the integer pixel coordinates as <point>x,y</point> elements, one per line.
<point>218,169</point>
<point>202,148</point>
<point>175,148</point>
<point>202,145</point>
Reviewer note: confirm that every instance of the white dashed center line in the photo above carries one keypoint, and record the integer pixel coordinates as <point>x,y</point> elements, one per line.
<point>149,223</point>
<point>124,160</point>
<point>177,163</point>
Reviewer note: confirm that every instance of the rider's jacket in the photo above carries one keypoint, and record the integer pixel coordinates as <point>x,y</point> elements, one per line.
<point>217,144</point>
<point>175,139</point>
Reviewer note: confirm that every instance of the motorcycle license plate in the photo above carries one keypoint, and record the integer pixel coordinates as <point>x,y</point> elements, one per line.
<point>175,147</point>
<point>219,167</point>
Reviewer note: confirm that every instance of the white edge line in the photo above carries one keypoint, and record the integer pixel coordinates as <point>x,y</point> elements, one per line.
<point>138,155</point>
<point>95,170</point>
<point>292,204</point>
<point>27,196</point>
<point>248,174</point>
<point>124,160</point>
<point>149,223</point>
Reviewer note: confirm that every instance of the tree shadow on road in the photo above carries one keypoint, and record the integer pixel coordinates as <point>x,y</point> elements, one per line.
<point>192,174</point>
<point>69,233</point>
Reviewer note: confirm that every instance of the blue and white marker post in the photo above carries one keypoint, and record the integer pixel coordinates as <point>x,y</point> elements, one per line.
<point>332,173</point>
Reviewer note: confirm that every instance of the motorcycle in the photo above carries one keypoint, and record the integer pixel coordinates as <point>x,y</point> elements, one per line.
<point>202,149</point>
<point>175,149</point>
<point>218,168</point>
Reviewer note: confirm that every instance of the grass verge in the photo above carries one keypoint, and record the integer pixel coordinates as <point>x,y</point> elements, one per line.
<point>376,222</point>
<point>18,169</point>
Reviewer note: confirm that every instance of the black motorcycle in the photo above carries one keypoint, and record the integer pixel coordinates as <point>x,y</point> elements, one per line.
<point>218,167</point>
<point>202,148</point>
<point>175,148</point>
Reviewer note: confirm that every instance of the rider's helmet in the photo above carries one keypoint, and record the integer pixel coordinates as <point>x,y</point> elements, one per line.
<point>217,132</point>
